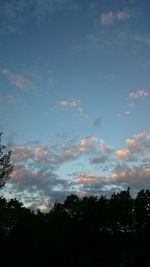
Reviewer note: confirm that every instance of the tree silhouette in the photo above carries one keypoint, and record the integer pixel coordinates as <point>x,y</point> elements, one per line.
<point>83,232</point>
<point>6,166</point>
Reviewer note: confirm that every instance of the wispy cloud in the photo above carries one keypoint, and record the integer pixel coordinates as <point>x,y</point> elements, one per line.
<point>139,94</point>
<point>107,18</point>
<point>76,104</point>
<point>17,79</point>
<point>110,17</point>
<point>8,100</point>
<point>14,17</point>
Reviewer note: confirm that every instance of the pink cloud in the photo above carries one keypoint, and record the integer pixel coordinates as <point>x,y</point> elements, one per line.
<point>38,153</point>
<point>136,176</point>
<point>138,145</point>
<point>18,174</point>
<point>87,178</point>
<point>22,153</point>
<point>67,155</point>
<point>87,145</point>
<point>41,154</point>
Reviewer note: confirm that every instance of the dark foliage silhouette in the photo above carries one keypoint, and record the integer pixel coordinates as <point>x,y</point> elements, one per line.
<point>5,164</point>
<point>92,231</point>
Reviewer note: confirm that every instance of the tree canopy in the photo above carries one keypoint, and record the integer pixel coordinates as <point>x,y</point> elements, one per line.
<point>88,231</point>
<point>6,166</point>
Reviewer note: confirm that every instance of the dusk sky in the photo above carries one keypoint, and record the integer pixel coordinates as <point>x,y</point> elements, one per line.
<point>75,97</point>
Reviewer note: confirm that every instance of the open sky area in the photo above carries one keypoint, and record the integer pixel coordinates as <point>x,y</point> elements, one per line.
<point>75,97</point>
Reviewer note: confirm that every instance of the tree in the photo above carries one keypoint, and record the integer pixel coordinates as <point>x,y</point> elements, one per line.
<point>6,166</point>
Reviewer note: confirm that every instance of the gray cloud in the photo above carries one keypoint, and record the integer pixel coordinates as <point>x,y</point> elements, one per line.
<point>99,160</point>
<point>98,122</point>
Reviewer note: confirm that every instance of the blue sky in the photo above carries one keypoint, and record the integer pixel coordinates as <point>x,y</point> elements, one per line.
<point>75,97</point>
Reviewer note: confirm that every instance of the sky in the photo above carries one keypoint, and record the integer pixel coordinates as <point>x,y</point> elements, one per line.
<point>75,97</point>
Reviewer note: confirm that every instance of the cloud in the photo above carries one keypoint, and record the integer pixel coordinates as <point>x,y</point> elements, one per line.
<point>99,160</point>
<point>34,178</point>
<point>76,104</point>
<point>91,145</point>
<point>85,146</point>
<point>107,18</point>
<point>67,155</point>
<point>18,174</point>
<point>41,155</point>
<point>37,167</point>
<point>22,153</point>
<point>44,9</point>
<point>124,154</point>
<point>138,147</point>
<point>98,122</point>
<point>17,79</point>
<point>45,204</point>
<point>87,178</point>
<point>141,37</point>
<point>8,100</point>
<point>15,16</point>
<point>36,189</point>
<point>105,148</point>
<point>110,17</point>
<point>12,15</point>
<point>122,15</point>
<point>36,153</point>
<point>136,176</point>
<point>139,94</point>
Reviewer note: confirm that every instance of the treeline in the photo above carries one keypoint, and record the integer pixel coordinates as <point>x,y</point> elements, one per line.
<point>91,232</point>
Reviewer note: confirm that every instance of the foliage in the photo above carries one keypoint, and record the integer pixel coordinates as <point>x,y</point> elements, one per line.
<point>87,232</point>
<point>6,166</point>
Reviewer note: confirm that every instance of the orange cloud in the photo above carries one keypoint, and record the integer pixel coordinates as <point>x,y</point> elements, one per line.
<point>123,154</point>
